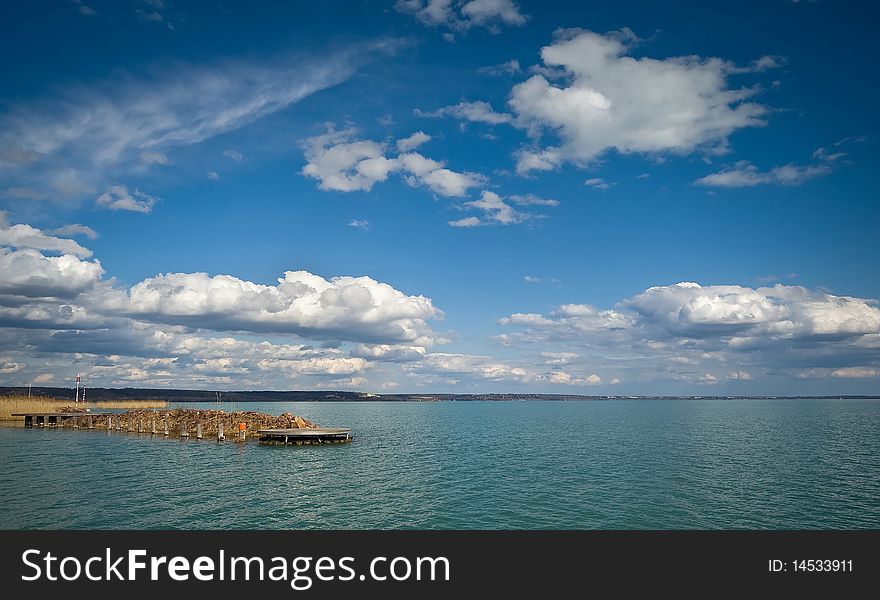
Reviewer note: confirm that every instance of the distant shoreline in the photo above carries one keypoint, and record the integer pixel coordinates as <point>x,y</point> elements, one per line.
<point>182,396</point>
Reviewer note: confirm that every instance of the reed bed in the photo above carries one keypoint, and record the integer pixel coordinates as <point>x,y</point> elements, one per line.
<point>22,404</point>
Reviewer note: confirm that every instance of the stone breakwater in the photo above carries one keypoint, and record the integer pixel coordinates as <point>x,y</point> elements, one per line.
<point>207,424</point>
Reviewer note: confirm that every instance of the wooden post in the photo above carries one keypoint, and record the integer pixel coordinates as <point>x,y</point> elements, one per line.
<point>220,436</point>
<point>109,423</point>
<point>91,424</point>
<point>166,427</point>
<point>184,432</point>
<point>199,430</point>
<point>76,422</point>
<point>131,424</point>
<point>140,425</point>
<point>153,425</point>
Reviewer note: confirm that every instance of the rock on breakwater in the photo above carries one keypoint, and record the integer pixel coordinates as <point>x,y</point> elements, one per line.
<point>189,423</point>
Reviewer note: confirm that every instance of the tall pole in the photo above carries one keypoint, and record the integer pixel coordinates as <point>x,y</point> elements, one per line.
<point>76,401</point>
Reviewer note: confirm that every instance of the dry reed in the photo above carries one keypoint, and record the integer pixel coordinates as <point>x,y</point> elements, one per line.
<point>21,404</point>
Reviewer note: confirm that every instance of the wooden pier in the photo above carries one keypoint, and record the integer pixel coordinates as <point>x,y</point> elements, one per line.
<point>301,437</point>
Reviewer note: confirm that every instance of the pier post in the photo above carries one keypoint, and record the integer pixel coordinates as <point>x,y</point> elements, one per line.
<point>76,422</point>
<point>109,423</point>
<point>140,426</point>
<point>220,436</point>
<point>91,423</point>
<point>166,427</point>
<point>153,426</point>
<point>199,430</point>
<point>184,432</point>
<point>130,424</point>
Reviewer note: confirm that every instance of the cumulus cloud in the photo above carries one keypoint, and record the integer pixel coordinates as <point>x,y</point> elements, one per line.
<point>477,112</point>
<point>341,163</point>
<point>25,236</point>
<point>688,326</point>
<point>196,330</point>
<point>609,100</point>
<point>351,308</point>
<point>461,15</point>
<point>117,197</point>
<point>30,274</point>
<point>598,183</point>
<point>412,142</point>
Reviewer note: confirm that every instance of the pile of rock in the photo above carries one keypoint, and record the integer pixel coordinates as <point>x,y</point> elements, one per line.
<point>192,423</point>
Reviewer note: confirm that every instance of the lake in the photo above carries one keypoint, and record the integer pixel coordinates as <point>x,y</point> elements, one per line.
<point>642,464</point>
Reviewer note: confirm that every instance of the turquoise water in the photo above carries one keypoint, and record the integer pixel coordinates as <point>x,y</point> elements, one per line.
<point>658,464</point>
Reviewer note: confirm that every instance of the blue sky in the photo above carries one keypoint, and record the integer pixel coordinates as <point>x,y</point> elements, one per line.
<point>464,195</point>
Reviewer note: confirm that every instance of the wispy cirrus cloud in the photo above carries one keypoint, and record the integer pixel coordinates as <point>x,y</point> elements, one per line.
<point>745,174</point>
<point>109,129</point>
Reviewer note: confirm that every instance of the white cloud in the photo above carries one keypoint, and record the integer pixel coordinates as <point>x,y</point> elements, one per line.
<point>564,378</point>
<point>511,67</point>
<point>412,142</point>
<point>84,9</point>
<point>154,158</point>
<point>465,222</point>
<point>351,308</point>
<point>740,375</point>
<point>75,229</point>
<point>612,101</point>
<point>232,154</point>
<point>117,197</point>
<point>666,332</point>
<point>29,274</point>
<point>25,236</point>
<point>745,174</point>
<point>477,112</point>
<point>532,200</point>
<point>598,183</point>
<point>213,175</point>
<point>495,210</point>
<point>460,15</point>
<point>343,164</point>
<point>856,372</point>
<point>361,224</point>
